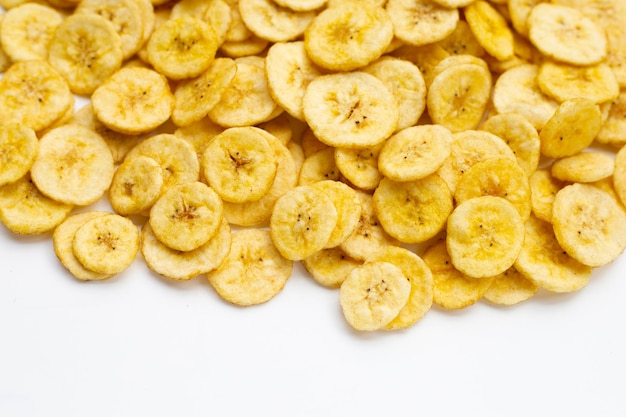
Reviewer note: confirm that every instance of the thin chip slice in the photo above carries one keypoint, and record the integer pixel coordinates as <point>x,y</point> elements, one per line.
<point>421,22</point>
<point>330,267</point>
<point>136,185</point>
<point>348,208</point>
<point>360,166</point>
<point>253,272</point>
<point>589,224</point>
<point>543,189</point>
<point>484,236</point>
<point>619,175</point>
<point>179,265</point>
<point>564,82</point>
<point>106,244</point>
<point>490,29</point>
<point>19,147</point>
<point>584,167</point>
<point>510,288</point>
<point>268,20</point>
<point>319,166</point>
<point>373,295</point>
<point>613,130</point>
<point>543,261</point>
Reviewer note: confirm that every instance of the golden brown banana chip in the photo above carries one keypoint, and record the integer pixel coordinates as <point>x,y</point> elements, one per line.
<point>136,185</point>
<point>509,288</point>
<point>584,167</point>
<point>19,147</point>
<point>254,270</point>
<point>543,189</point>
<point>348,208</point>
<point>319,166</point>
<point>330,267</point>
<point>564,81</point>
<point>360,166</point>
<point>490,29</point>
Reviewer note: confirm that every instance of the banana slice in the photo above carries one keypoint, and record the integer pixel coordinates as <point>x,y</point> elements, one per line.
<point>421,22</point>
<point>415,152</point>
<point>34,94</point>
<point>351,110</point>
<point>461,41</point>
<point>490,29</point>
<point>216,13</point>
<point>186,216</point>
<point>302,222</point>
<point>27,31</point>
<point>194,98</point>
<point>613,130</point>
<point>302,5</point>
<point>519,11</point>
<point>543,189</point>
<point>362,29</point>
<point>484,236</point>
<point>74,165</point>
<point>24,210</point>
<point>281,128</point>
<point>520,135</point>
<point>517,91</point>
<point>320,166</point>
<point>566,34</point>
<point>62,239</point>
<point>452,289</point>
<point>86,49</point>
<point>199,134</point>
<point>584,167</point>
<point>421,279</point>
<point>360,166</point>
<point>330,267</point>
<point>179,265</point>
<point>134,100</point>
<point>311,144</point>
<point>413,211</point>
<point>563,82</point>
<point>589,224</point>
<point>106,244</point>
<point>510,288</point>
<point>407,85</point>
<point>247,47</point>
<point>254,271</point>
<point>5,61</point>
<point>543,261</point>
<point>182,48</point>
<point>571,129</point>
<point>373,295</point>
<point>289,71</point>
<point>458,97</point>
<point>274,22</point>
<point>619,175</point>
<point>426,57</point>
<point>499,177</point>
<point>136,185</point>
<point>348,208</point>
<point>126,16</point>
<point>239,164</point>
<point>19,147</point>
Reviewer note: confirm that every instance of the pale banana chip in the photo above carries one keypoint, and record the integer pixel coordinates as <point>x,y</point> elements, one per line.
<point>280,127</point>
<point>186,216</point>
<point>247,47</point>
<point>571,129</point>
<point>268,20</point>
<point>373,295</point>
<point>613,130</point>
<point>421,22</point>
<point>589,224</point>
<point>619,175</point>
<point>239,164</point>
<point>452,289</point>
<point>543,189</point>
<point>330,267</point>
<point>74,165</point>
<point>185,265</point>
<point>302,5</point>
<point>484,236</point>
<point>509,288</point>
<point>24,210</point>
<point>543,261</point>
<point>415,152</point>
<point>62,239</point>
<point>311,144</point>
<point>562,82</point>
<point>413,211</point>
<point>199,134</point>
<point>462,41</point>
<point>216,13</point>
<point>319,166</point>
<point>490,29</point>
<point>19,147</point>
<point>348,208</point>
<point>136,185</point>
<point>106,244</point>
<point>5,61</point>
<point>360,166</point>
<point>348,36</point>
<point>421,279</point>
<point>519,11</point>
<point>254,270</point>
<point>352,110</point>
<point>134,100</point>
<point>583,167</point>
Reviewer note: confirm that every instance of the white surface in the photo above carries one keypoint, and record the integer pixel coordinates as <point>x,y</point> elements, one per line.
<point>141,345</point>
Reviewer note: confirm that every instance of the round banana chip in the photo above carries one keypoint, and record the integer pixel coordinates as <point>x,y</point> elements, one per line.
<point>413,211</point>
<point>86,49</point>
<point>239,164</point>
<point>319,166</point>
<point>134,100</point>
<point>543,189</point>
<point>254,270</point>
<point>302,222</point>
<point>301,5</point>
<point>562,82</point>
<point>268,20</point>
<point>518,13</point>
<point>136,185</point>
<point>613,131</point>
<point>571,129</point>
<point>373,295</point>
<point>589,224</point>
<point>106,244</point>
<point>19,147</point>
<point>566,34</point>
<point>185,265</point>
<point>421,279</point>
<point>421,22</point>
<point>490,29</point>
<point>619,175</point>
<point>330,267</point>
<point>186,216</point>
<point>415,152</point>
<point>24,210</point>
<point>348,208</point>
<point>348,36</point>
<point>452,289</point>
<point>509,288</point>
<point>461,41</point>
<point>74,165</point>
<point>351,110</point>
<point>360,166</point>
<point>584,167</point>
<point>484,236</point>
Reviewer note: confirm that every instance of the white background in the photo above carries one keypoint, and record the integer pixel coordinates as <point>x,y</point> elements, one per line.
<point>139,344</point>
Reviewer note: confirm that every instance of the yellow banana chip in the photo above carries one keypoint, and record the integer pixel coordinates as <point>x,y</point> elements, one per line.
<point>268,20</point>
<point>509,288</point>
<point>490,29</point>
<point>136,185</point>
<point>543,189</point>
<point>348,208</point>
<point>583,167</point>
<point>19,147</point>
<point>319,166</point>
<point>421,22</point>
<point>360,166</point>
<point>563,82</point>
<point>330,267</point>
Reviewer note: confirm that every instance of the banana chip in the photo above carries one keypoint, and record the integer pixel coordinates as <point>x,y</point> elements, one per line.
<point>19,147</point>
<point>490,29</point>
<point>543,189</point>
<point>509,288</point>
<point>619,175</point>
<point>330,267</point>
<point>583,167</point>
<point>348,208</point>
<point>268,20</point>
<point>136,185</point>
<point>562,82</point>
<point>319,166</point>
<point>613,131</point>
<point>360,166</point>
<point>421,22</point>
